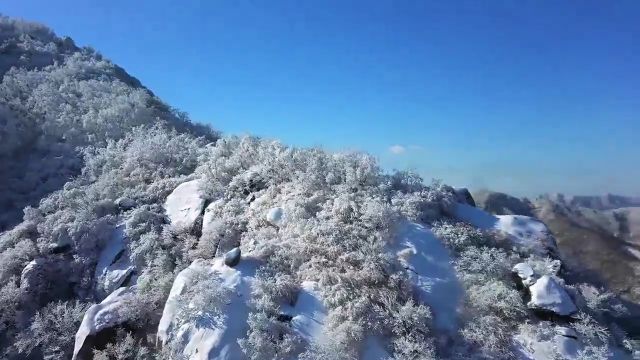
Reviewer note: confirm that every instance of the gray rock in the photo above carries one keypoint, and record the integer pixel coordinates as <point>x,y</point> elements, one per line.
<point>232,258</point>
<point>125,203</point>
<point>464,196</point>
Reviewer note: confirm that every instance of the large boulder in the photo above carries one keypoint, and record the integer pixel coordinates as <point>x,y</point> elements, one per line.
<point>114,310</point>
<point>525,274</point>
<point>184,205</point>
<point>548,295</point>
<point>125,203</point>
<point>47,278</point>
<point>232,258</point>
<point>201,338</point>
<point>114,266</point>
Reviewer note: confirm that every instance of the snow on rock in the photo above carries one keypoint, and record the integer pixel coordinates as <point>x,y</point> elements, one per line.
<point>428,264</point>
<point>204,340</point>
<point>564,345</point>
<point>114,266</point>
<point>275,215</point>
<point>184,205</point>
<point>525,273</point>
<point>525,232</point>
<point>547,294</point>
<point>112,311</point>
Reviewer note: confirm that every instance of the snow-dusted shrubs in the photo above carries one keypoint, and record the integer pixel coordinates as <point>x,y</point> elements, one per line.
<point>52,330</point>
<point>338,213</point>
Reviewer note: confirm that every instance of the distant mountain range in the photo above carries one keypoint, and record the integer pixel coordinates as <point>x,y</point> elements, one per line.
<point>598,236</point>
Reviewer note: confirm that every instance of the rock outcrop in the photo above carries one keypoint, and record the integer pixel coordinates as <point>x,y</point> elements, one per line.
<point>548,295</point>
<point>114,266</point>
<point>184,205</point>
<point>113,310</point>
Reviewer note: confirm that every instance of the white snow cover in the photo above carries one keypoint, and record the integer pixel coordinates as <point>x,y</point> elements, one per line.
<point>525,272</point>
<point>184,204</point>
<point>524,231</point>
<point>547,294</point>
<point>308,313</point>
<point>565,342</point>
<point>212,343</point>
<point>274,216</point>
<point>111,271</point>
<point>113,310</point>
<point>428,263</point>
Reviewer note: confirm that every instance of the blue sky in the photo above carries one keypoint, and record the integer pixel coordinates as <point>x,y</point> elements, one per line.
<point>524,97</point>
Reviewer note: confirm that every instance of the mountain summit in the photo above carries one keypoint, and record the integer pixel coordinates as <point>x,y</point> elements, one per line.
<point>146,236</point>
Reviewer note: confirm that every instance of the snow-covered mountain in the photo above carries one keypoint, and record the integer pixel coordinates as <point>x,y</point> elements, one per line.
<point>145,236</point>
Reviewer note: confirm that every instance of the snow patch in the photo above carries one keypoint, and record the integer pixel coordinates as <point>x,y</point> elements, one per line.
<point>428,264</point>
<point>184,205</point>
<point>275,215</point>
<point>524,232</point>
<point>308,313</point>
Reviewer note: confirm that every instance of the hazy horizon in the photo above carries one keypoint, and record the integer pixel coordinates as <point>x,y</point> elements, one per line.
<point>524,98</point>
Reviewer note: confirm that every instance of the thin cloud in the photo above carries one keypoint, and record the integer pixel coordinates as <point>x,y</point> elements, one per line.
<point>397,149</point>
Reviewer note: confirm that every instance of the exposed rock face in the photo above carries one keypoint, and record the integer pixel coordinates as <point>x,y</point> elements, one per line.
<point>113,310</point>
<point>45,278</point>
<point>114,265</point>
<point>232,258</point>
<point>464,196</point>
<point>547,294</point>
<point>503,204</point>
<point>184,205</point>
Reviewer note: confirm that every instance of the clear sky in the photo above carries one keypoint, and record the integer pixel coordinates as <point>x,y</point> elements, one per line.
<point>518,96</point>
